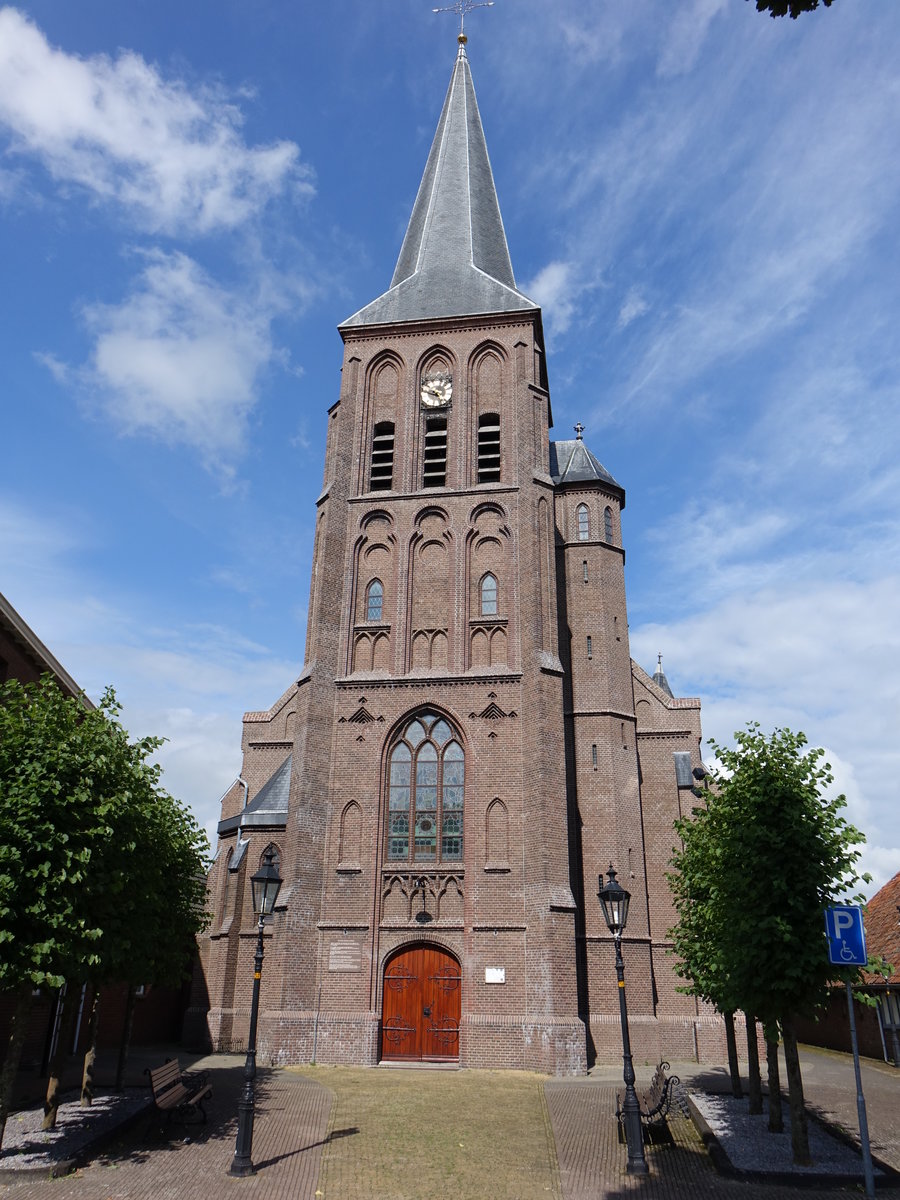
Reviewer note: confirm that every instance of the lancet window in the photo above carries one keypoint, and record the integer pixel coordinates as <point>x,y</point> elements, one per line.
<point>608,524</point>
<point>381,474</point>
<point>374,601</point>
<point>584,522</point>
<point>489,448</point>
<point>425,793</point>
<point>435,460</point>
<point>489,596</point>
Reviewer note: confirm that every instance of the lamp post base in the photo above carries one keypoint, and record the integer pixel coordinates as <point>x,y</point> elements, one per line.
<point>241,1167</point>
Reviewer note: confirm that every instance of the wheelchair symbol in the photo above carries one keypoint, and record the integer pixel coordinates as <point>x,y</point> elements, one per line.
<point>846,953</point>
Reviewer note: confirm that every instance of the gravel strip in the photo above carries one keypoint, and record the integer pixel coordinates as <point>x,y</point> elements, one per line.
<point>750,1147</point>
<point>26,1147</point>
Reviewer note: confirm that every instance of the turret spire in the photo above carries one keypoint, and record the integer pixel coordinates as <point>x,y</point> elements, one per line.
<point>659,677</point>
<point>454,260</point>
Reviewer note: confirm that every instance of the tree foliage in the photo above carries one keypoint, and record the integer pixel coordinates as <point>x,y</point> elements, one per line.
<point>101,870</point>
<point>760,860</point>
<point>781,8</point>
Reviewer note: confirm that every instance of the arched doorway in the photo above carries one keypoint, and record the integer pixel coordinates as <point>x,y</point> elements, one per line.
<point>421,1006</point>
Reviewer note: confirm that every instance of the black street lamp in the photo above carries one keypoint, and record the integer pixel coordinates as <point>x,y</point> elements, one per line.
<point>615,901</point>
<point>265,885</point>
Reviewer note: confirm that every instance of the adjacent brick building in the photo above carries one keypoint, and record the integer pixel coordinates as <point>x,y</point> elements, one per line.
<point>469,743</point>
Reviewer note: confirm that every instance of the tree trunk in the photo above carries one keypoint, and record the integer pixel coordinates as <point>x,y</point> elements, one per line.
<point>776,1118</point>
<point>58,1062</point>
<point>755,1083</point>
<point>90,1057</point>
<point>730,1042</point>
<point>125,1044</point>
<point>799,1127</point>
<point>17,1033</point>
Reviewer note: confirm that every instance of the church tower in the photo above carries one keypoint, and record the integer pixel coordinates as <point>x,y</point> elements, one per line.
<point>462,752</point>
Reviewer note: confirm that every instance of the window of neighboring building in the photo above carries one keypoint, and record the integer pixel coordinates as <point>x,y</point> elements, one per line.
<point>374,601</point>
<point>489,448</point>
<point>435,461</point>
<point>381,474</point>
<point>607,523</point>
<point>584,522</point>
<point>489,596</point>
<point>425,793</point>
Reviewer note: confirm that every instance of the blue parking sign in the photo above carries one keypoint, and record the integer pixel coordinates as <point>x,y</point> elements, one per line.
<point>846,935</point>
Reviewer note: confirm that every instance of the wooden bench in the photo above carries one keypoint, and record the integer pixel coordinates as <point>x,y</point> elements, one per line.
<point>176,1093</point>
<point>655,1102</point>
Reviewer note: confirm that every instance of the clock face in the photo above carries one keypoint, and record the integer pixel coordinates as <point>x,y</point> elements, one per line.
<point>436,390</point>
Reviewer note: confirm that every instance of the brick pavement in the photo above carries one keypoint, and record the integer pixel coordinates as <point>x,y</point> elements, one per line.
<point>350,1133</point>
<point>289,1135</point>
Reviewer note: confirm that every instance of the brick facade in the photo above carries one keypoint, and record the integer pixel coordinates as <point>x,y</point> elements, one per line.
<point>493,600</point>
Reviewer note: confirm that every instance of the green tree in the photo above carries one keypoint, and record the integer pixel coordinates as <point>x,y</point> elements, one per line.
<point>761,860</point>
<point>781,8</point>
<point>100,869</point>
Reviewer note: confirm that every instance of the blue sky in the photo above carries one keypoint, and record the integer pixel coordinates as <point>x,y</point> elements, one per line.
<point>704,200</point>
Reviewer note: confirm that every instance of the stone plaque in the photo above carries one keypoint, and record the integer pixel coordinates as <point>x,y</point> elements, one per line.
<point>344,956</point>
<point>495,974</point>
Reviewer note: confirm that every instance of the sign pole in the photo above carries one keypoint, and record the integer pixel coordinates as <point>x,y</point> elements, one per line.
<point>860,1101</point>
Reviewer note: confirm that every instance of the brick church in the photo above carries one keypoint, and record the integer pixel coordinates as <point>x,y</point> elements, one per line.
<point>468,744</point>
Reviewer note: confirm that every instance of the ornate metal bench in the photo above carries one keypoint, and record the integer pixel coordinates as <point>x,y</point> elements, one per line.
<point>655,1103</point>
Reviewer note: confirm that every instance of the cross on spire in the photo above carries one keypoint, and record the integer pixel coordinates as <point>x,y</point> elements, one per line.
<point>462,8</point>
<point>579,431</point>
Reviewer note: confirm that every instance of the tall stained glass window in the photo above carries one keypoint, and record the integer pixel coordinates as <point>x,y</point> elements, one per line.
<point>426,782</point>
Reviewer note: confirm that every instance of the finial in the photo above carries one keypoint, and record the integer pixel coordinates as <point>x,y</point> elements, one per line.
<point>461,7</point>
<point>579,431</point>
<point>659,662</point>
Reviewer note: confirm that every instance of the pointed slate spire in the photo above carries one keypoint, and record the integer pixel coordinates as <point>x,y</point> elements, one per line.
<point>659,678</point>
<point>454,260</point>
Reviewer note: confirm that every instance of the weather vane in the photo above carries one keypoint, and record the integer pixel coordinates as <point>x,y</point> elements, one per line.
<point>462,8</point>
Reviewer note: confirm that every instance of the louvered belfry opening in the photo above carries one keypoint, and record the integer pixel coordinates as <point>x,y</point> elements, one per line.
<point>435,461</point>
<point>381,476</point>
<point>489,448</point>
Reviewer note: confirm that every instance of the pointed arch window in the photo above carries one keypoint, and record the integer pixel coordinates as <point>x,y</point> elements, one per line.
<point>434,472</point>
<point>583,518</point>
<point>489,596</point>
<point>426,782</point>
<point>381,472</point>
<point>608,524</point>
<point>276,856</point>
<point>489,448</point>
<point>374,601</point>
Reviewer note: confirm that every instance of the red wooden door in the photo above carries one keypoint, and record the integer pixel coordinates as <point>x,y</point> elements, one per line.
<point>421,1006</point>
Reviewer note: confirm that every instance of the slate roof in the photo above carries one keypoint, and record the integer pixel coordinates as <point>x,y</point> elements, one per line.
<point>454,260</point>
<point>659,678</point>
<point>572,462</point>
<point>270,804</point>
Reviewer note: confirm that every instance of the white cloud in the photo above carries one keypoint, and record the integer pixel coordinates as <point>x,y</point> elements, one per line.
<point>815,655</point>
<point>556,290</point>
<point>179,359</point>
<point>633,306</point>
<point>173,157</point>
<point>189,682</point>
<point>685,36</point>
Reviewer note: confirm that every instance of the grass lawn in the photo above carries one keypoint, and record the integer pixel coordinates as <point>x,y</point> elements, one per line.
<point>404,1134</point>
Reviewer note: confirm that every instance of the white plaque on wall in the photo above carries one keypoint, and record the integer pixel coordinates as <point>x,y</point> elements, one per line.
<point>344,956</point>
<point>495,974</point>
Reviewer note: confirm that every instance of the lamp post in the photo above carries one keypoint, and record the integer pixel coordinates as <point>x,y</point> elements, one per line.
<point>265,885</point>
<point>615,901</point>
